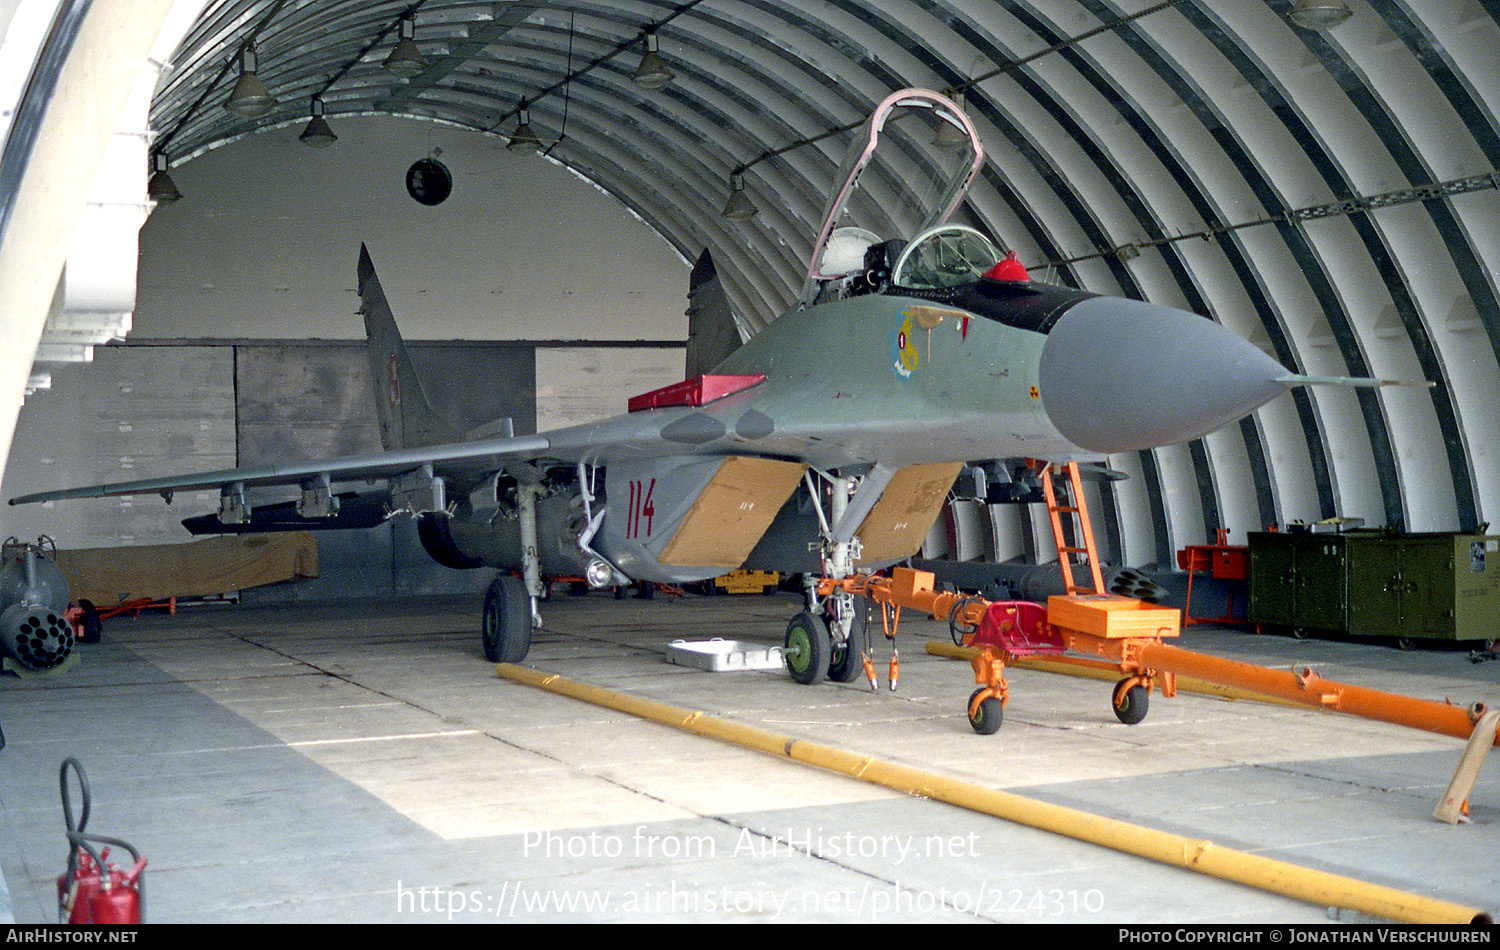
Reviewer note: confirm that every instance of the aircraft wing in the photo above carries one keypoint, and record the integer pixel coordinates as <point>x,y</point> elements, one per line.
<point>477,456</point>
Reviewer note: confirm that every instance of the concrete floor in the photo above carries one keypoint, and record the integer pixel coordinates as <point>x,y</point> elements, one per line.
<point>365,764</point>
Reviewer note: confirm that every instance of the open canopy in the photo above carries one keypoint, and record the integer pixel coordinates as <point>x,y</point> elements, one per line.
<point>937,118</point>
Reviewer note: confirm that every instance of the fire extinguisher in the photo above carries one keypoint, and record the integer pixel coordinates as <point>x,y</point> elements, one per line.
<point>91,890</point>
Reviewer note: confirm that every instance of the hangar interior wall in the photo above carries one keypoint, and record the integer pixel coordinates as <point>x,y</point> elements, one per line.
<point>264,241</point>
<point>244,344</point>
<point>257,403</point>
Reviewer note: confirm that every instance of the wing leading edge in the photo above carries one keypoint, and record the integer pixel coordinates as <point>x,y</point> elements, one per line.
<point>477,456</point>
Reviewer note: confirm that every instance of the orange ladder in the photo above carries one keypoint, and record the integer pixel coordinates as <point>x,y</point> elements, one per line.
<point>1078,511</point>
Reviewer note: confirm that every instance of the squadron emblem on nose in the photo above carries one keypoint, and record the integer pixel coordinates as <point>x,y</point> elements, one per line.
<point>905,349</point>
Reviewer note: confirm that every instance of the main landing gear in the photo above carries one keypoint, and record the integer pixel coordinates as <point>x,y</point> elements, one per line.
<point>506,625</point>
<point>510,603</point>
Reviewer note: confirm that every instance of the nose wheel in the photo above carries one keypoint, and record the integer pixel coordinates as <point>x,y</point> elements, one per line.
<point>807,649</point>
<point>845,663</point>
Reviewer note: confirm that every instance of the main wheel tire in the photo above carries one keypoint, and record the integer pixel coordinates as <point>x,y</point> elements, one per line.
<point>846,663</point>
<point>1131,702</point>
<point>987,718</point>
<point>93,626</point>
<point>506,625</point>
<point>806,648</point>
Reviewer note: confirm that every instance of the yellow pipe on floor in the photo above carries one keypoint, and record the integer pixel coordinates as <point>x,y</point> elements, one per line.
<point>1315,887</point>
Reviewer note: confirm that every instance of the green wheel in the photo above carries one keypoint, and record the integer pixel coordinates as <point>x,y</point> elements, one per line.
<point>806,648</point>
<point>987,718</point>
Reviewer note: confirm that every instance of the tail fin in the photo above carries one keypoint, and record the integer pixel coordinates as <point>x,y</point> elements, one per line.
<point>713,330</point>
<point>406,418</point>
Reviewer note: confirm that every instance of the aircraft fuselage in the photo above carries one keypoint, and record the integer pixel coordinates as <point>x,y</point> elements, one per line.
<point>862,380</point>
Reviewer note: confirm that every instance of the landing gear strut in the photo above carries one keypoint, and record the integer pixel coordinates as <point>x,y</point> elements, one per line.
<point>842,646</point>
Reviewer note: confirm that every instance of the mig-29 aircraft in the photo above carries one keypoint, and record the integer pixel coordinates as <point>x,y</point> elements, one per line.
<point>824,443</point>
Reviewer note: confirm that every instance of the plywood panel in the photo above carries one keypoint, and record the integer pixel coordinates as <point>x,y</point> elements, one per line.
<point>898,523</point>
<point>733,512</point>
<point>208,567</point>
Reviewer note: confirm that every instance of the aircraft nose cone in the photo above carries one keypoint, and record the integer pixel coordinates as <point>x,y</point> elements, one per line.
<point>1120,375</point>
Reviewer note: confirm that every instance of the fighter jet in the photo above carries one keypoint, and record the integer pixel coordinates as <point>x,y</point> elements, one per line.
<point>824,442</point>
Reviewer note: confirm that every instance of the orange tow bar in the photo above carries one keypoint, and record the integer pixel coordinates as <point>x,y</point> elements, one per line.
<point>1127,634</point>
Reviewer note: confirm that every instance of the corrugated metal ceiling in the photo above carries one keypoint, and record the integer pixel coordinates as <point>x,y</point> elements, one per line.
<point>1329,195</point>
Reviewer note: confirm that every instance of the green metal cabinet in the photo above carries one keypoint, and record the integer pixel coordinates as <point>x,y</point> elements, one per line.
<point>1372,584</point>
<point>1299,580</point>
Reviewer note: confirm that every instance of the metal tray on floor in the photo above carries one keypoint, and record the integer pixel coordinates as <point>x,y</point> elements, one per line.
<point>718,655</point>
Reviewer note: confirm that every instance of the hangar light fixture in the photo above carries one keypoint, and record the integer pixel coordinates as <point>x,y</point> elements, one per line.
<point>645,73</point>
<point>1319,14</point>
<point>405,59</point>
<point>161,188</point>
<point>250,97</point>
<point>318,134</point>
<point>738,207</point>
<point>652,73</point>
<point>523,139</point>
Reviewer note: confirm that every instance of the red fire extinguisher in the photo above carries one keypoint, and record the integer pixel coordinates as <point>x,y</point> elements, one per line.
<point>91,890</point>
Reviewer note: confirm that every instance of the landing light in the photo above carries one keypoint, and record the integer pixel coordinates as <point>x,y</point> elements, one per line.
<point>598,574</point>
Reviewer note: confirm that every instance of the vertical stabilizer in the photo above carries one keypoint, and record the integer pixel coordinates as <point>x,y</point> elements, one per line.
<point>713,331</point>
<point>406,418</point>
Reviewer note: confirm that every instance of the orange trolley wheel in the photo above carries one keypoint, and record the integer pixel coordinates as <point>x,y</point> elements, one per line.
<point>1131,701</point>
<point>987,716</point>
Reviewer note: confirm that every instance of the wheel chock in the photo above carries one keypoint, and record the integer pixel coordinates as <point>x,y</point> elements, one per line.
<point>1454,806</point>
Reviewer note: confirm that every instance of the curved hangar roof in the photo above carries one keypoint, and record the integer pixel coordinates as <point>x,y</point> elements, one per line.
<point>1330,194</point>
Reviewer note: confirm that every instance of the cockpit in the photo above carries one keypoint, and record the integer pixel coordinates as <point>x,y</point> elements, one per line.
<point>948,264</point>
<point>856,261</point>
<point>945,256</point>
<point>849,261</point>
